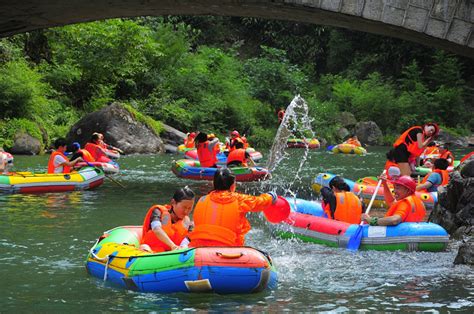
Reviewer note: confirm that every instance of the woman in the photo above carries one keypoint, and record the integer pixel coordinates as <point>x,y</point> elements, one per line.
<point>219,217</point>
<point>339,203</point>
<point>411,144</point>
<point>166,226</point>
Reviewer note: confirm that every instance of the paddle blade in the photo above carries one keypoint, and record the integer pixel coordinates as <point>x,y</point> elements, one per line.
<point>355,239</point>
<point>277,212</point>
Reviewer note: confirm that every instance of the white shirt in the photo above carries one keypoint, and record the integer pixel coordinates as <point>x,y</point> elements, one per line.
<point>58,162</point>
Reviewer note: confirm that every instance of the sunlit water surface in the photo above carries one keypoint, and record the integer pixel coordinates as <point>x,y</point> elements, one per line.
<point>44,241</point>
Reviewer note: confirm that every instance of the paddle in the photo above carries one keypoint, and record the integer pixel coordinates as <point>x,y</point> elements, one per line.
<point>108,177</point>
<point>356,238</point>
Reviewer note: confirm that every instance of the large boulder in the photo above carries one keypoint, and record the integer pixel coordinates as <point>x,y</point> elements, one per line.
<point>455,209</point>
<point>465,253</point>
<point>460,141</point>
<point>25,144</point>
<point>342,134</point>
<point>120,128</point>
<point>369,133</point>
<point>172,138</point>
<point>346,119</point>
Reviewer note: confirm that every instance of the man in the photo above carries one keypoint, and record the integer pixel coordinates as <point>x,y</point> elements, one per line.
<point>58,162</point>
<point>404,205</point>
<point>446,154</point>
<point>438,177</point>
<point>207,150</point>
<point>239,157</point>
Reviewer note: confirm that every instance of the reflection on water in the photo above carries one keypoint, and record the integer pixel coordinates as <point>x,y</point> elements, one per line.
<point>44,241</point>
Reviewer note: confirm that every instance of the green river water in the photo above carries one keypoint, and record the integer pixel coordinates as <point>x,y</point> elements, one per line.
<point>44,240</point>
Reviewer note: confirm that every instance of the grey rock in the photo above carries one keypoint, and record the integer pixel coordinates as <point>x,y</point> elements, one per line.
<point>465,253</point>
<point>369,133</point>
<point>25,144</point>
<point>120,128</point>
<point>346,119</point>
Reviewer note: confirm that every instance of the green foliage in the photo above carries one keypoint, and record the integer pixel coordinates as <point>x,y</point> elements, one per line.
<point>261,137</point>
<point>9,128</point>
<point>153,125</point>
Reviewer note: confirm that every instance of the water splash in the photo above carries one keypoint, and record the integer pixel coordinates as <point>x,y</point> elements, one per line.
<point>296,123</point>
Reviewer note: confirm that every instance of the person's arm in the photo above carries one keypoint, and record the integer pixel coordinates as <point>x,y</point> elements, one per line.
<point>250,203</point>
<point>387,194</point>
<point>250,161</point>
<point>212,144</point>
<point>420,142</point>
<point>385,221</point>
<point>159,232</point>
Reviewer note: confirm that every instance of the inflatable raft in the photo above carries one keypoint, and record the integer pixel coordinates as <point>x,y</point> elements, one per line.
<point>110,167</point>
<point>308,222</point>
<point>116,258</point>
<point>191,169</point>
<point>365,187</point>
<point>222,157</point>
<point>424,170</point>
<point>303,143</point>
<point>348,149</point>
<point>28,182</point>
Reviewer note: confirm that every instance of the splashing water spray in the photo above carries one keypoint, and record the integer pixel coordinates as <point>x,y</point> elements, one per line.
<point>295,121</point>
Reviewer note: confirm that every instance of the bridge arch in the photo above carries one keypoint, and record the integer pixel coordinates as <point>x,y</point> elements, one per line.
<point>445,24</point>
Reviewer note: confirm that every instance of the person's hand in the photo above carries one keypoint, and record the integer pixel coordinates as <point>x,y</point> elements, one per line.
<point>365,217</point>
<point>383,177</point>
<point>175,247</point>
<point>274,196</point>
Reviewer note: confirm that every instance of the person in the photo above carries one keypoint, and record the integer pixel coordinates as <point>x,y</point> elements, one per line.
<point>206,150</point>
<point>189,140</point>
<point>411,144</point>
<point>438,177</point>
<point>404,205</point>
<point>339,203</point>
<point>353,140</point>
<point>219,217</point>
<point>166,227</point>
<point>78,152</point>
<point>6,161</point>
<point>391,167</point>
<point>58,162</point>
<point>446,154</point>
<point>239,157</point>
<point>281,115</point>
<point>234,139</point>
<point>244,140</point>
<point>96,149</point>
<point>104,145</point>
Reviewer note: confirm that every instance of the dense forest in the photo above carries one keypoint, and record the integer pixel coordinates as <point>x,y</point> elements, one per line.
<point>223,73</point>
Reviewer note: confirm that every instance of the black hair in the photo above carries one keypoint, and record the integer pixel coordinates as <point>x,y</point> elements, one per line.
<point>239,144</point>
<point>200,138</point>
<point>223,179</point>
<point>441,164</point>
<point>60,142</point>
<point>390,155</point>
<point>183,194</point>
<point>431,144</point>
<point>339,183</point>
<point>445,146</point>
<point>95,137</point>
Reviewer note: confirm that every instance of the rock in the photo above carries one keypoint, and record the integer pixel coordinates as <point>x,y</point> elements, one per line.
<point>342,134</point>
<point>120,129</point>
<point>25,144</point>
<point>369,133</point>
<point>470,140</point>
<point>346,119</point>
<point>467,168</point>
<point>459,141</point>
<point>465,253</point>
<point>172,136</point>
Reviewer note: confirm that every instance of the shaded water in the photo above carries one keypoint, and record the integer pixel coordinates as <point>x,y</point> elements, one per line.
<point>44,240</point>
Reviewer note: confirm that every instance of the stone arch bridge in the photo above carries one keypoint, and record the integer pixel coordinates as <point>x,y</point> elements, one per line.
<point>445,24</point>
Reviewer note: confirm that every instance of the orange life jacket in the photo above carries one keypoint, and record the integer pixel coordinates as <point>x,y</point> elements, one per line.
<point>444,177</point>
<point>412,147</point>
<point>431,150</point>
<point>176,231</point>
<point>86,155</point>
<point>51,167</point>
<point>281,114</point>
<point>447,154</point>
<point>237,155</point>
<point>353,142</point>
<point>348,208</point>
<point>416,213</point>
<point>220,223</point>
<point>233,142</point>
<point>189,142</point>
<point>97,152</point>
<point>206,157</point>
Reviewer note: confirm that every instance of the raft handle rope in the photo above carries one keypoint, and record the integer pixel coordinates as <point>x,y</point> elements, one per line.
<point>105,258</point>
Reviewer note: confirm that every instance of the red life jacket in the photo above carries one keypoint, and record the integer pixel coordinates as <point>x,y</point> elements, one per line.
<point>447,154</point>
<point>237,155</point>
<point>206,157</point>
<point>96,152</point>
<point>412,147</point>
<point>66,169</point>
<point>176,231</point>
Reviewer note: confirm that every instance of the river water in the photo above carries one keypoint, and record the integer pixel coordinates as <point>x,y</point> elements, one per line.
<point>44,240</point>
